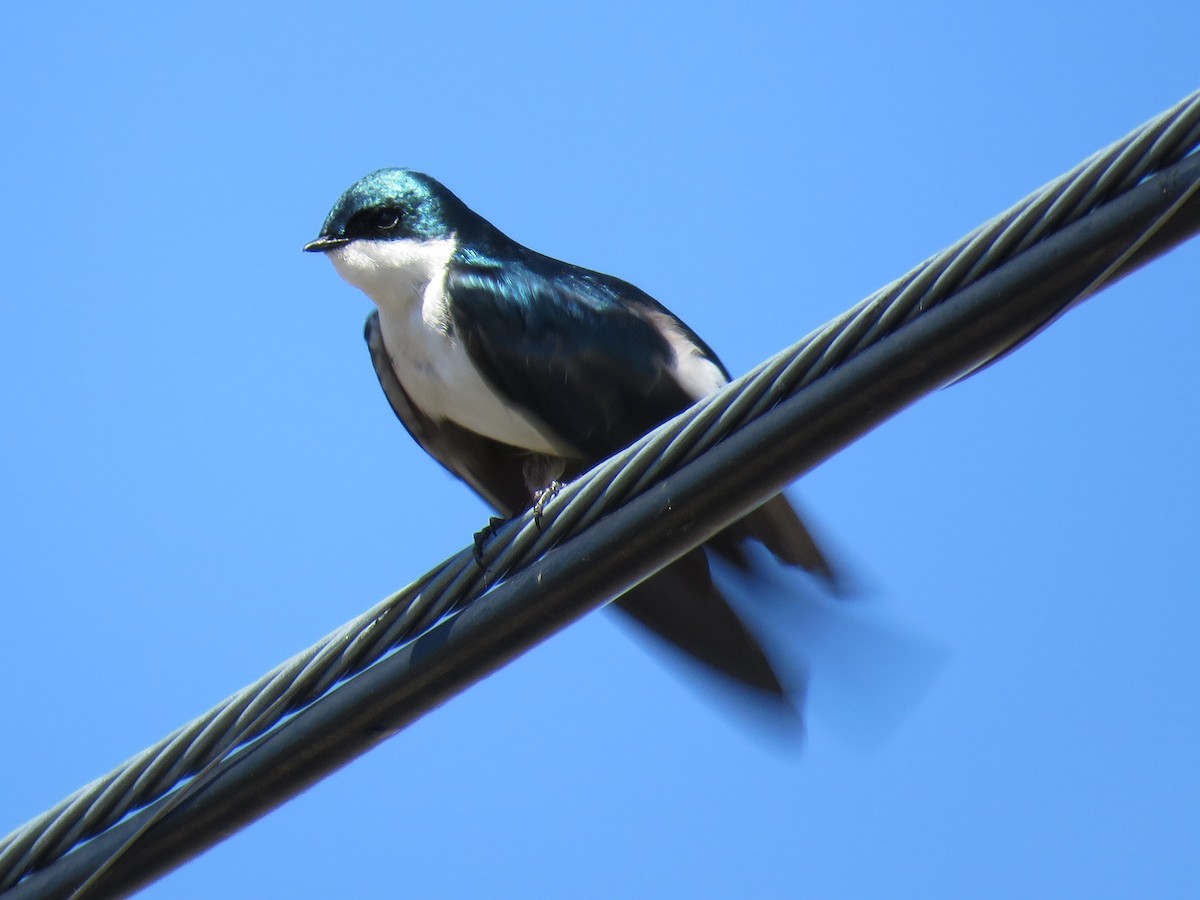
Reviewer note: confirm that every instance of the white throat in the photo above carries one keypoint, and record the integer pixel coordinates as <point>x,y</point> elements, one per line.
<point>406,280</point>
<point>394,274</point>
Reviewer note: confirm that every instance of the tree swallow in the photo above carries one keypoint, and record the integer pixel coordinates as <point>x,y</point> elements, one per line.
<point>514,370</point>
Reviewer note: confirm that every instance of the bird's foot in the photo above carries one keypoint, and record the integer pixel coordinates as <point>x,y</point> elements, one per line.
<point>541,498</point>
<point>483,535</point>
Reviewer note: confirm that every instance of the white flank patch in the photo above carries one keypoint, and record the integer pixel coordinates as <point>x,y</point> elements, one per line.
<point>406,279</point>
<point>698,375</point>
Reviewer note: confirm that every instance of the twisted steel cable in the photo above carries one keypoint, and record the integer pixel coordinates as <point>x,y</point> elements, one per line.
<point>459,580</point>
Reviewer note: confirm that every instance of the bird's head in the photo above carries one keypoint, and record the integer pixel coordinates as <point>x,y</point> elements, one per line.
<point>394,231</point>
<point>392,205</point>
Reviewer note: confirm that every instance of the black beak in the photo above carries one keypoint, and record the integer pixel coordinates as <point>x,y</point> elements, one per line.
<point>325,242</point>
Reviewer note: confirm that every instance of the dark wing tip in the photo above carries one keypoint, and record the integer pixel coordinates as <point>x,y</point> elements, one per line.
<point>682,605</point>
<point>781,530</point>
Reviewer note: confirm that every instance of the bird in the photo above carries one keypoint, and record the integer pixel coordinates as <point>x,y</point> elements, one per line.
<point>517,372</point>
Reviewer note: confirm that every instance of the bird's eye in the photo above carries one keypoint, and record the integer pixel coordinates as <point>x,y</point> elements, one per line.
<point>384,222</point>
<point>387,220</point>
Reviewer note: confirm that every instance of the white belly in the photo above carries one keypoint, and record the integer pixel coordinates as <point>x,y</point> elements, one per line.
<point>405,280</point>
<point>437,374</point>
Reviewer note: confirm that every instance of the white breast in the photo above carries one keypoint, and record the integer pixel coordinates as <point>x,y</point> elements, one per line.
<point>406,281</point>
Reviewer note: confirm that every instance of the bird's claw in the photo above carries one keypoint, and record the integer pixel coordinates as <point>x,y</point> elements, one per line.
<point>483,535</point>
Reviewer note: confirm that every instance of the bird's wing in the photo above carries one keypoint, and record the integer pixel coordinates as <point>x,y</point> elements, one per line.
<point>590,357</point>
<point>680,604</point>
<point>594,358</point>
<point>492,469</point>
<point>576,350</point>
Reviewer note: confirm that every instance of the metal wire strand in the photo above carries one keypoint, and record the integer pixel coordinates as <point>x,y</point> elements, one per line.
<point>296,683</point>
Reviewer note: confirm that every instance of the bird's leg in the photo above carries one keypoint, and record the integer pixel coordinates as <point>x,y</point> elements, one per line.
<point>541,498</point>
<point>541,477</point>
<point>485,534</point>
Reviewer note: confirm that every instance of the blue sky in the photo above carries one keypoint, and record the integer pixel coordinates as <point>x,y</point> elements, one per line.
<point>200,475</point>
